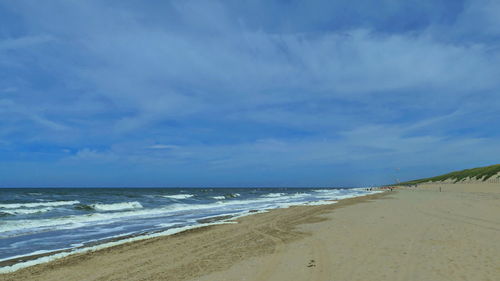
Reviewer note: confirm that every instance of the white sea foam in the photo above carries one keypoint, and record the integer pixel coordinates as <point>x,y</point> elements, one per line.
<point>117,206</point>
<point>179,196</point>
<point>219,197</point>
<point>190,207</point>
<point>39,252</point>
<point>321,202</point>
<point>38,204</point>
<point>263,202</point>
<point>9,228</point>
<point>25,211</point>
<point>75,221</point>
<point>324,190</point>
<point>17,266</point>
<point>273,195</point>
<point>339,194</point>
<point>165,225</point>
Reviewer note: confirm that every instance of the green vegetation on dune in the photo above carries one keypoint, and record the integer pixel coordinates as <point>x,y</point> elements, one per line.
<point>483,173</point>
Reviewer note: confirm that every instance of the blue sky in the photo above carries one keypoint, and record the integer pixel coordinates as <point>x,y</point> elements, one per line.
<point>246,93</point>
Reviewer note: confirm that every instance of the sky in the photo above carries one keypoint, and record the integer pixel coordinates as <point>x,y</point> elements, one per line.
<point>246,93</point>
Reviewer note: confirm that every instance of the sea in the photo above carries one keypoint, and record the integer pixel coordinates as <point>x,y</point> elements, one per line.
<point>38,222</point>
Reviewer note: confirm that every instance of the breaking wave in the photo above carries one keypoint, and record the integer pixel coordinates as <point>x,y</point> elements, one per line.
<point>117,206</point>
<point>38,204</point>
<point>273,195</point>
<point>179,196</point>
<point>25,211</point>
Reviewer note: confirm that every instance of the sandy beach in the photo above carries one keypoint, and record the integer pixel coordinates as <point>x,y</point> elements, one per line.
<point>408,234</point>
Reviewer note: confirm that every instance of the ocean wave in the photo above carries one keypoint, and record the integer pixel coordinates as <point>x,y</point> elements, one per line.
<point>18,227</point>
<point>179,196</point>
<point>117,206</point>
<point>273,195</point>
<point>324,190</point>
<point>321,202</point>
<point>232,195</point>
<point>244,202</point>
<point>34,193</point>
<point>38,204</point>
<point>339,194</point>
<point>226,196</point>
<point>26,211</point>
<point>9,228</point>
<point>73,221</point>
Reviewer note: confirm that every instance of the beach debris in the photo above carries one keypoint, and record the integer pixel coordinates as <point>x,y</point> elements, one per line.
<point>312,263</point>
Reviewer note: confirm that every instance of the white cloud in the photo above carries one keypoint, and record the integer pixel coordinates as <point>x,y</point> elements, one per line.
<point>162,146</point>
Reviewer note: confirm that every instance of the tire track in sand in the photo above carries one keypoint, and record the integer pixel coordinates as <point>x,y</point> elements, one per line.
<point>319,272</point>
<point>276,257</point>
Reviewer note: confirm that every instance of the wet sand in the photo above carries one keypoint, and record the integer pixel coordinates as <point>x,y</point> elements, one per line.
<point>409,234</point>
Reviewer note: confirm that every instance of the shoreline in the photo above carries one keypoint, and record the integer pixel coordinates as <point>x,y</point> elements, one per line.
<point>20,262</point>
<point>407,234</point>
<point>101,244</point>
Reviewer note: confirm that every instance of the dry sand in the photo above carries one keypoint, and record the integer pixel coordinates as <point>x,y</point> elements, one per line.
<point>410,234</point>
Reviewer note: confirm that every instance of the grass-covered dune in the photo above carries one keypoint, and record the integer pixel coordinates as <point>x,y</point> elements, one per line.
<point>480,174</point>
